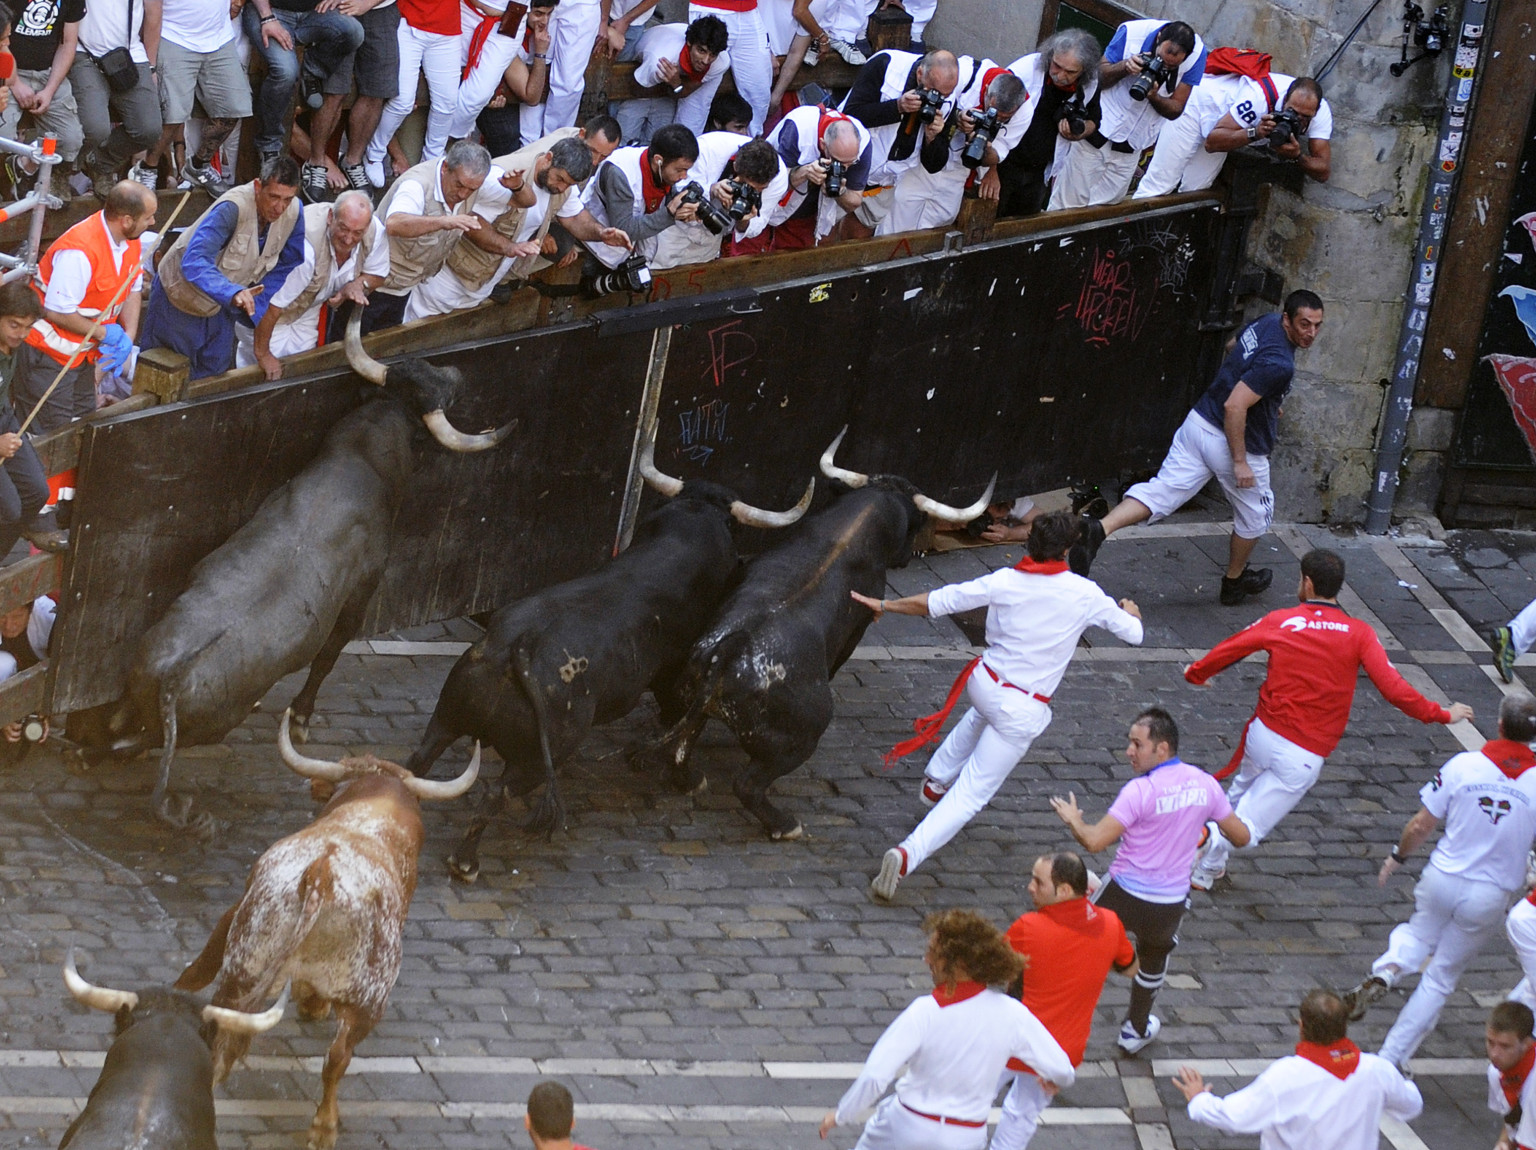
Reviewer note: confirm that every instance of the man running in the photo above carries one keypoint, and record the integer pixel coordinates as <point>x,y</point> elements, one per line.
<point>1315,655</point>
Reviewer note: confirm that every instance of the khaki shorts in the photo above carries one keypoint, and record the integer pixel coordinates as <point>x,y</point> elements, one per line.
<point>218,79</point>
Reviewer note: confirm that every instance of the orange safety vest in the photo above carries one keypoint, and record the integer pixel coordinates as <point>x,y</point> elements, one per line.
<point>88,236</point>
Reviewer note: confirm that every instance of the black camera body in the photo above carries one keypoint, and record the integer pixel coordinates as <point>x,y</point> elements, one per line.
<point>988,124</point>
<point>837,172</point>
<point>1288,126</point>
<point>932,104</point>
<point>633,275</point>
<point>1154,72</point>
<point>745,199</point>
<point>1075,115</point>
<point>710,213</point>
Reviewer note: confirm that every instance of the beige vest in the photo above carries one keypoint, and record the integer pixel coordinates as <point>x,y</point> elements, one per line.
<point>244,260</point>
<point>472,264</point>
<point>317,218</point>
<point>413,259</point>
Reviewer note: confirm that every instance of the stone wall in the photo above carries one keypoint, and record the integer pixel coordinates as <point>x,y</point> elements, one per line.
<point>1350,240</point>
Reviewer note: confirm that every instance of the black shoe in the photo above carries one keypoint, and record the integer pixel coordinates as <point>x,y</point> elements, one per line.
<point>1253,581</point>
<point>1358,999</point>
<point>314,185</point>
<point>1082,553</point>
<point>309,89</point>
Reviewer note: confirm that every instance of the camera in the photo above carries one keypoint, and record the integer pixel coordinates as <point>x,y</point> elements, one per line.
<point>1075,115</point>
<point>632,276</point>
<point>836,171</point>
<point>987,125</point>
<point>932,104</point>
<point>1155,71</point>
<point>709,213</point>
<point>33,729</point>
<point>1287,127</point>
<point>745,199</point>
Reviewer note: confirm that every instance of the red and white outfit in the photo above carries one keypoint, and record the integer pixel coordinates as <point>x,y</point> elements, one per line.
<point>751,58</point>
<point>1488,801</point>
<point>690,242</point>
<point>948,1050</point>
<point>1505,1090</point>
<point>1069,948</point>
<point>806,125</point>
<point>1035,614</point>
<point>1316,652</point>
<point>484,56</point>
<point>1520,925</point>
<point>81,273</point>
<point>1320,1098</point>
<point>573,26</point>
<point>641,116</point>
<point>428,36</point>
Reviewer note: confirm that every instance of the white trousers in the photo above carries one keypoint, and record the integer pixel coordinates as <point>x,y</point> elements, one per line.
<point>1092,176</point>
<point>1198,454</point>
<point>1180,161</point>
<point>1522,628</point>
<point>1025,1101</point>
<point>438,56</point>
<point>751,59</point>
<point>1274,776</point>
<point>1453,919</point>
<point>479,85</point>
<point>924,199</point>
<point>894,1127</point>
<point>975,759</point>
<point>1521,928</point>
<point>573,29</point>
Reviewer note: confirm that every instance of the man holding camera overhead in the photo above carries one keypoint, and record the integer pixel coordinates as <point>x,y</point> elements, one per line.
<point>1146,76</point>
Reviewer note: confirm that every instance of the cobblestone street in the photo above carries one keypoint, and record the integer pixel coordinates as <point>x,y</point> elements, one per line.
<point>697,985</point>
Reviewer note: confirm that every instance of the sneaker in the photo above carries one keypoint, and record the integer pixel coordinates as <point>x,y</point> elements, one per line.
<point>374,173</point>
<point>1358,999</point>
<point>149,177</point>
<point>17,180</point>
<point>1253,581</point>
<point>932,791</point>
<point>1081,555</point>
<point>100,171</point>
<point>1202,877</point>
<point>892,867</point>
<point>1504,653</point>
<point>357,177</point>
<point>205,177</point>
<point>1131,1042</point>
<point>309,89</point>
<point>314,185</point>
<point>847,51</point>
<point>49,539</point>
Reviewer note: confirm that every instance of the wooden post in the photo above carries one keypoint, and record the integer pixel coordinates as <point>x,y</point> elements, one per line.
<point>889,29</point>
<point>976,219</point>
<point>161,373</point>
<point>594,96</point>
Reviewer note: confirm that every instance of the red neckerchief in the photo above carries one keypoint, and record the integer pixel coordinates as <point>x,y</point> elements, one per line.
<point>1048,567</point>
<point>685,65</point>
<point>962,990</point>
<point>986,80</point>
<point>1340,1059</point>
<point>1513,758</point>
<point>482,33</point>
<point>1513,1081</point>
<point>652,192</point>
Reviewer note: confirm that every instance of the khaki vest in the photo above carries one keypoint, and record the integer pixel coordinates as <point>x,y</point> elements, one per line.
<point>471,264</point>
<point>317,218</point>
<point>244,260</point>
<point>413,259</point>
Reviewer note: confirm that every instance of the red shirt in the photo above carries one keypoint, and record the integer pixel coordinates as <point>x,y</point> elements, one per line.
<point>1315,655</point>
<point>1069,948</point>
<point>439,16</point>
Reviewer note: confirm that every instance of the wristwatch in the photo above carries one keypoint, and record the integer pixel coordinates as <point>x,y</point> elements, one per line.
<point>1253,131</point>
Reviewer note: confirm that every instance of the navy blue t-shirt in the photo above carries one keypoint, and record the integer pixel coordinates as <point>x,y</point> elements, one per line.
<point>1264,360</point>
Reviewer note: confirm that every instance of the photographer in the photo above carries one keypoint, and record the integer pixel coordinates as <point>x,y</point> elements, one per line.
<point>904,100</point>
<point>985,105</point>
<point>633,192</point>
<point>1146,76</point>
<point>24,635</point>
<point>689,61</point>
<point>739,176</point>
<point>1061,82</point>
<point>828,157</point>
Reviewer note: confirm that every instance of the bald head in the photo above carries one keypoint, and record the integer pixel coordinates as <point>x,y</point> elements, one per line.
<point>129,209</point>
<point>840,142</point>
<point>351,215</point>
<point>940,71</point>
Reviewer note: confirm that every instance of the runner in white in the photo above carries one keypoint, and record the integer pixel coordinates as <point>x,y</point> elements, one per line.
<point>1513,640</point>
<point>949,1047</point>
<point>1511,1085</point>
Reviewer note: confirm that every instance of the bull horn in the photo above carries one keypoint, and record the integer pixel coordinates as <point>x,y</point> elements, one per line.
<point>300,764</point>
<point>362,363</point>
<point>662,482</point>
<point>242,1022</point>
<point>842,474</point>
<point>427,789</point>
<point>455,440</point>
<point>757,517</point>
<point>98,997</point>
<point>956,514</point>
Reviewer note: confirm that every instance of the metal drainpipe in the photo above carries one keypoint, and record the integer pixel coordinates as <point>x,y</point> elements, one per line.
<point>1410,340</point>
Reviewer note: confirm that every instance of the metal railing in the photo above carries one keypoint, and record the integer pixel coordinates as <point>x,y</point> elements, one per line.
<point>44,153</point>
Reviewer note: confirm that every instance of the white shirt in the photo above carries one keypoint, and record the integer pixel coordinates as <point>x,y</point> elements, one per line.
<point>107,23</point>
<point>1525,1133</point>
<point>1033,621</point>
<point>1490,819</point>
<point>949,1057</point>
<point>293,334</point>
<point>665,42</point>
<point>716,149</point>
<point>72,271</point>
<point>197,25</point>
<point>1297,1105</point>
<point>1245,100</point>
<point>1137,122</point>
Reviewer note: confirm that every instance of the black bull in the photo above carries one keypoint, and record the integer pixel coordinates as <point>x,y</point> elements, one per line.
<point>291,587</point>
<point>555,663</point>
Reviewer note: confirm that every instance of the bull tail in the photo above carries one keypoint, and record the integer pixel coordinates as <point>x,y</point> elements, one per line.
<point>205,967</point>
<point>317,890</point>
<point>549,813</point>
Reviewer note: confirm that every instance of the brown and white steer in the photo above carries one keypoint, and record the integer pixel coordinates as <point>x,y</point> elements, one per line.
<point>325,908</point>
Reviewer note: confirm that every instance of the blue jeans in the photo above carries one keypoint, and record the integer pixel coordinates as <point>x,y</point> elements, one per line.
<point>329,39</point>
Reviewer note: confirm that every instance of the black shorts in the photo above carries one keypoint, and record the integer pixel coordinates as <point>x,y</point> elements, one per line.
<point>376,67</point>
<point>1154,925</point>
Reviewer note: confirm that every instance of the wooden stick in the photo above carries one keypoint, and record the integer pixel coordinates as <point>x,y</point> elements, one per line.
<point>79,353</point>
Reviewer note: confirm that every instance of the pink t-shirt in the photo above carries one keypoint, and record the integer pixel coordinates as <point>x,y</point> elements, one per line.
<point>1162,812</point>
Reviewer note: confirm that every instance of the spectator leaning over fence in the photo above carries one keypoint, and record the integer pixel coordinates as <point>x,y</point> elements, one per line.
<point>636,192</point>
<point>84,278</point>
<point>1099,167</point>
<point>23,483</point>
<point>1061,84</point>
<point>425,212</point>
<point>225,268</point>
<point>814,144</point>
<point>198,56</point>
<point>573,27</point>
<point>346,256</point>
<point>329,39</point>
<point>732,170</point>
<point>24,635</point>
<point>689,61</point>
<point>43,42</point>
<point>428,39</point>
<point>113,81</point>
<point>376,69</point>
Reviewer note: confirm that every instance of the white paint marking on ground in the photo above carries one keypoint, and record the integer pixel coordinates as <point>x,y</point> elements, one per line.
<point>1401,1135</point>
<point>448,647</point>
<point>1441,658</point>
<point>1154,1136</point>
<point>1466,734</point>
<point>1140,1092</point>
<point>1460,630</point>
<point>1403,567</point>
<point>1518,687</point>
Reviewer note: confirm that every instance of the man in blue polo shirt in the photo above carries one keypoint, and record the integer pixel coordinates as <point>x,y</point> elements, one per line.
<point>1228,435</point>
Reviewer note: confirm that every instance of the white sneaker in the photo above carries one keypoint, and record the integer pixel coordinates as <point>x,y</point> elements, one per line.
<point>149,177</point>
<point>883,885</point>
<point>1202,877</point>
<point>375,173</point>
<point>1094,883</point>
<point>1131,1042</point>
<point>932,792</point>
<point>847,51</point>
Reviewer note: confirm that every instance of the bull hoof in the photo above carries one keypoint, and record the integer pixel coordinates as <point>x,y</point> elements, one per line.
<point>173,809</point>
<point>321,1137</point>
<point>462,872</point>
<point>204,827</point>
<point>794,832</point>
<point>298,730</point>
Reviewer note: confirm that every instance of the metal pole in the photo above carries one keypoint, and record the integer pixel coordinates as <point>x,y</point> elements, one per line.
<point>45,164</point>
<point>1437,200</point>
<point>645,432</point>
